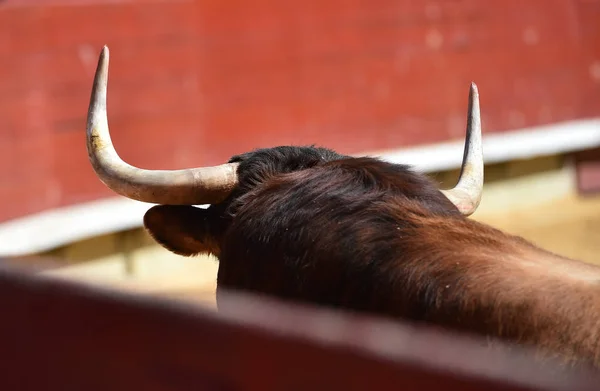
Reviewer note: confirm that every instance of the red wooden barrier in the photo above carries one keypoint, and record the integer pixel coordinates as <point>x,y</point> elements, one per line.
<point>64,336</point>
<point>193,82</point>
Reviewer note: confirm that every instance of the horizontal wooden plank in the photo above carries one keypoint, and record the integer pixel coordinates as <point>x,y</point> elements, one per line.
<point>71,336</point>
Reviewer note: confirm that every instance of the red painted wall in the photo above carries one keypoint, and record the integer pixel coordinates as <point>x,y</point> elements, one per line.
<point>193,82</point>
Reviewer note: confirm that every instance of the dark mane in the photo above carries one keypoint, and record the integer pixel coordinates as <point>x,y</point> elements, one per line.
<point>317,171</point>
<point>338,232</point>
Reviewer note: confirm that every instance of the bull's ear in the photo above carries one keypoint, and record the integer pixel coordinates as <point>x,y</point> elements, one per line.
<point>184,230</point>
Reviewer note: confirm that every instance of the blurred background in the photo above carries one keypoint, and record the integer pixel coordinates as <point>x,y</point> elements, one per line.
<point>194,82</point>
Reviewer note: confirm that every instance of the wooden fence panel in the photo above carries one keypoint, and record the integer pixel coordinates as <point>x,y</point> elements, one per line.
<point>57,335</point>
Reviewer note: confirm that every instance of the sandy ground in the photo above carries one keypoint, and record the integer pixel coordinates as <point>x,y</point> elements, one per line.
<point>569,226</point>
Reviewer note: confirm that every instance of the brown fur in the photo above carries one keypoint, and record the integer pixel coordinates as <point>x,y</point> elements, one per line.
<point>310,225</point>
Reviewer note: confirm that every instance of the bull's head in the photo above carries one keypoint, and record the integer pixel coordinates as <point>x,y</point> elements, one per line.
<point>211,185</point>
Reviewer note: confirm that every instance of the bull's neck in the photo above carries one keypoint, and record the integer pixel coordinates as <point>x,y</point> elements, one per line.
<point>555,299</point>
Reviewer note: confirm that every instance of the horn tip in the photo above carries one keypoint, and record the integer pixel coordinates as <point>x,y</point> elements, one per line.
<point>474,88</point>
<point>104,53</point>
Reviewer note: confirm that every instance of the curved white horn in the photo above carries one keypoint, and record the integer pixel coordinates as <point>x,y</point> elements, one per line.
<point>204,185</point>
<point>466,195</point>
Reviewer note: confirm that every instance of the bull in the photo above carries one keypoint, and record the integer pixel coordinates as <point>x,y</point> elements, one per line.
<point>315,226</point>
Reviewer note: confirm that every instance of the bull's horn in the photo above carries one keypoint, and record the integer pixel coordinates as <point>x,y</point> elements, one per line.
<point>205,185</point>
<point>466,195</point>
